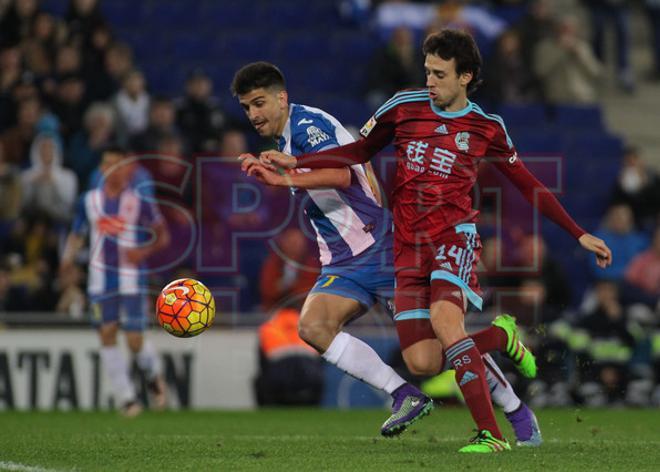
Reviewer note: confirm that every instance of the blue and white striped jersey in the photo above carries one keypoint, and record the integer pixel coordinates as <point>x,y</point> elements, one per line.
<point>347,221</point>
<point>114,225</point>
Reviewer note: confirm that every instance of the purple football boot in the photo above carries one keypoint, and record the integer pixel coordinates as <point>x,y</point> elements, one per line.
<point>525,426</point>
<point>408,406</point>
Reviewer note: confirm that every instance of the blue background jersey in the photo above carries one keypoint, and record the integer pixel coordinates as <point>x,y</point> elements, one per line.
<point>347,221</point>
<point>114,225</point>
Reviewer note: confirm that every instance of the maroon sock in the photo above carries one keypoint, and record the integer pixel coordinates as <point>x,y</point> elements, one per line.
<point>465,358</point>
<point>490,339</point>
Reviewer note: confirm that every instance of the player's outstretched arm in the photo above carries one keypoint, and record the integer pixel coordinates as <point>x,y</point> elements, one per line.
<point>597,246</point>
<point>539,196</point>
<point>320,178</point>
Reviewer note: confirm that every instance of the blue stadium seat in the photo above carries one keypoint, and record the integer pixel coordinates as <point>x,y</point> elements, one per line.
<point>585,117</point>
<point>522,115</point>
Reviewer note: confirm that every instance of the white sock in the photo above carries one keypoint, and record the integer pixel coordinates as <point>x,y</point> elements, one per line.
<point>501,390</point>
<point>116,368</point>
<point>148,361</point>
<point>358,359</point>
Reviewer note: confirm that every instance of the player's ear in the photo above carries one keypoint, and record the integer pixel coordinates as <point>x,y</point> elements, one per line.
<point>465,78</point>
<point>283,98</point>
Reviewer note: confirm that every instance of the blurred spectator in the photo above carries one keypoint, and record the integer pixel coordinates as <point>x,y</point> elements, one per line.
<point>87,145</point>
<point>72,299</point>
<point>132,105</point>
<point>290,371</point>
<point>67,61</point>
<point>40,48</point>
<point>643,272</point>
<point>16,141</point>
<point>653,13</point>
<point>82,18</point>
<point>17,22</point>
<point>104,82</point>
<point>566,66</point>
<point>604,346</point>
<point>288,273</point>
<point>10,192</point>
<point>198,114</point>
<point>162,122</point>
<point>233,143</point>
<point>69,104</point>
<point>533,255</point>
<point>618,13</point>
<point>93,52</point>
<point>475,18</point>
<point>618,231</point>
<point>10,74</point>
<point>507,77</point>
<point>12,298</point>
<point>538,24</point>
<point>638,186</point>
<point>396,66</point>
<point>48,188</point>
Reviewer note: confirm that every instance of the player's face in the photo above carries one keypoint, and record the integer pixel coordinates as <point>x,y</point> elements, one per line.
<point>116,173</point>
<point>267,110</point>
<point>446,87</point>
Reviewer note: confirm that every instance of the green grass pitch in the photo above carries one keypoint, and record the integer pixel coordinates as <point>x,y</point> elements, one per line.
<point>317,440</point>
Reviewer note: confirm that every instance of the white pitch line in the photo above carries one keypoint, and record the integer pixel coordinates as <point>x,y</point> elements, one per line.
<point>16,466</point>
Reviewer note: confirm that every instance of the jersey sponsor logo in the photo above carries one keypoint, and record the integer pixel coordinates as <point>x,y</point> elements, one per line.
<point>305,121</point>
<point>462,141</point>
<point>442,162</point>
<point>514,158</point>
<point>368,126</point>
<point>442,129</point>
<point>315,136</point>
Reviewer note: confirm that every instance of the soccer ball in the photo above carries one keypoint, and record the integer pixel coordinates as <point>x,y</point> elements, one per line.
<point>185,308</point>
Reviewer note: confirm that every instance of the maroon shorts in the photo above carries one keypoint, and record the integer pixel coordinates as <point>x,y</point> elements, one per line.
<point>440,270</point>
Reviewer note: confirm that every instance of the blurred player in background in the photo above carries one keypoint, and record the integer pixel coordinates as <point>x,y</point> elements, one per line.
<point>440,138</point>
<point>118,221</point>
<point>355,243</point>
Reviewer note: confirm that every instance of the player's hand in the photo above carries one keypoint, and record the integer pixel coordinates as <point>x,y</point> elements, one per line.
<point>247,160</point>
<point>268,158</point>
<point>267,176</point>
<point>597,246</point>
<point>136,255</point>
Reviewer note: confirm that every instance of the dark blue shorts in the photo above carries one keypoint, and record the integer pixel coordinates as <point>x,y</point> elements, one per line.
<point>367,278</point>
<point>130,310</point>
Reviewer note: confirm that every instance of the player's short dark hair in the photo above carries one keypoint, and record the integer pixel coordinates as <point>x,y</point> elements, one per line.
<point>459,45</point>
<point>257,75</point>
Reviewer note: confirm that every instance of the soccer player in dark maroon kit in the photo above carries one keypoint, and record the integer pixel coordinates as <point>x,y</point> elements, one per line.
<point>440,138</point>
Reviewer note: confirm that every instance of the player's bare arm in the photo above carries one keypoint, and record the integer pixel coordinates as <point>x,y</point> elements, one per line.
<point>316,179</point>
<point>74,244</point>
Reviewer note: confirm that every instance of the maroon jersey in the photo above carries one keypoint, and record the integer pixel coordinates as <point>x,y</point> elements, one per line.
<point>438,154</point>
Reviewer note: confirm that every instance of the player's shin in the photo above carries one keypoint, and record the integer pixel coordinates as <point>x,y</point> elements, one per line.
<point>116,369</point>
<point>148,361</point>
<point>359,360</point>
<point>465,358</point>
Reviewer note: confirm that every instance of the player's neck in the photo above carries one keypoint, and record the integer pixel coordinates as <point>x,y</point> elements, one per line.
<point>112,191</point>
<point>457,105</point>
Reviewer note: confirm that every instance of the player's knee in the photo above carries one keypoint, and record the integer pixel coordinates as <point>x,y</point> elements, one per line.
<point>316,334</point>
<point>108,334</point>
<point>422,368</point>
<point>134,341</point>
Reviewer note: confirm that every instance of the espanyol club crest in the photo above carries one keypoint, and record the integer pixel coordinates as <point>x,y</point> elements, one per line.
<point>462,141</point>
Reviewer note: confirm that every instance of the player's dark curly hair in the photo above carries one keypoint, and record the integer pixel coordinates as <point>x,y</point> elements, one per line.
<point>459,45</point>
<point>257,75</point>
